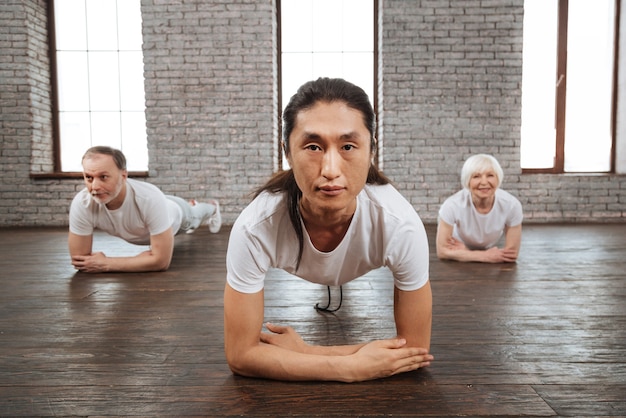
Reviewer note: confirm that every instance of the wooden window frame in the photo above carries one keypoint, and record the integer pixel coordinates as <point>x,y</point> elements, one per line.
<point>561,88</point>
<point>56,172</point>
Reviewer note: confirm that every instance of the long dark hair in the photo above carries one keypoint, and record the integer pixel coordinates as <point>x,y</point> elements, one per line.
<point>326,90</point>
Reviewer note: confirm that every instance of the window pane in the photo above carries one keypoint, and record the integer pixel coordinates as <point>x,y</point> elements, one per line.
<point>328,25</point>
<point>328,64</point>
<point>538,146</point>
<point>358,68</point>
<point>100,85</point>
<point>296,25</point>
<point>135,140</point>
<point>357,12</point>
<point>73,81</point>
<point>131,81</point>
<point>129,26</point>
<point>70,25</point>
<point>106,129</point>
<point>588,137</point>
<point>101,25</point>
<point>104,88</point>
<point>75,130</point>
<point>326,38</point>
<point>297,68</point>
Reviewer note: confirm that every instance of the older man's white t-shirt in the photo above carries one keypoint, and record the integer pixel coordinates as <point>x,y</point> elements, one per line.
<point>145,211</point>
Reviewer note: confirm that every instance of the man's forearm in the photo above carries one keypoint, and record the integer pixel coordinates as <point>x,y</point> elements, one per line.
<point>380,358</point>
<point>334,350</point>
<point>272,362</point>
<point>142,262</point>
<point>100,263</point>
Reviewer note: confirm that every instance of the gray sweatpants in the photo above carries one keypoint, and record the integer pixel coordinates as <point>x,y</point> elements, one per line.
<point>193,215</point>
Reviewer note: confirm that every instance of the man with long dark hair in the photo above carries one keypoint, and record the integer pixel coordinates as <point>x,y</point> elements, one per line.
<point>329,219</point>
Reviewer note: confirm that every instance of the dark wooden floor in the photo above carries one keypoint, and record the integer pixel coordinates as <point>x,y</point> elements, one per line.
<point>545,337</point>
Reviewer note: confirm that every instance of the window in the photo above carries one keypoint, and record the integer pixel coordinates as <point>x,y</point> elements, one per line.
<point>99,80</point>
<point>568,86</point>
<point>326,38</point>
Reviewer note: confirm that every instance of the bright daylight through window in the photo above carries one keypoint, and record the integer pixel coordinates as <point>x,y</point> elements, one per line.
<point>101,98</point>
<point>588,82</point>
<point>326,38</point>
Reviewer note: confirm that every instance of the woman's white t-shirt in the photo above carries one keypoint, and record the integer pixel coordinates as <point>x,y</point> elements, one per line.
<point>385,231</point>
<point>476,230</point>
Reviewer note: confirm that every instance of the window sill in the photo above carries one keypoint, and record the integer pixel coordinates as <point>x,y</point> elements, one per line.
<point>76,175</point>
<point>568,173</point>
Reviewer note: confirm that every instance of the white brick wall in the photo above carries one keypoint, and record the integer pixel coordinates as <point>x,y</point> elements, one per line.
<point>452,87</point>
<point>209,91</point>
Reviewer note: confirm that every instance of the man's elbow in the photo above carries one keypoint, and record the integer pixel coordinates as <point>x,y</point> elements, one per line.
<point>160,262</point>
<point>163,266</point>
<point>442,254</point>
<point>243,358</point>
<point>235,368</point>
<point>237,364</point>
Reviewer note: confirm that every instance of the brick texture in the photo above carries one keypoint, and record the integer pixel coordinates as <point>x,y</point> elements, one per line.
<point>451,87</point>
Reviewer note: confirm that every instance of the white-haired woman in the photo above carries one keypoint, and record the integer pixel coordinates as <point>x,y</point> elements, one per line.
<point>473,220</point>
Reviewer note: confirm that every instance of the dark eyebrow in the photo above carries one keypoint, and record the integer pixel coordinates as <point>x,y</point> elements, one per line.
<point>312,136</point>
<point>349,136</point>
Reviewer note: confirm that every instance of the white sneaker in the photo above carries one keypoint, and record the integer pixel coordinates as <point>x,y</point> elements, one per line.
<point>215,221</point>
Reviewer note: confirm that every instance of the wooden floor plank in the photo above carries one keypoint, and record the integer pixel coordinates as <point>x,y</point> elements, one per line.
<point>237,397</point>
<point>543,337</point>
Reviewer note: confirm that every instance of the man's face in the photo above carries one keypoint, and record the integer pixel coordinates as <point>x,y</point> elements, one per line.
<point>330,154</point>
<point>104,180</point>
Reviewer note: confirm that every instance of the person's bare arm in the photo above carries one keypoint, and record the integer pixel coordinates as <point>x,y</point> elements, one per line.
<point>448,248</point>
<point>157,258</point>
<point>284,356</point>
<point>513,241</point>
<point>79,244</point>
<point>287,337</point>
<point>413,315</point>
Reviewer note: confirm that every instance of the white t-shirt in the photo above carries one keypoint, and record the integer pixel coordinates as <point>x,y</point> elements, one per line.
<point>145,212</point>
<point>385,231</point>
<point>476,230</point>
